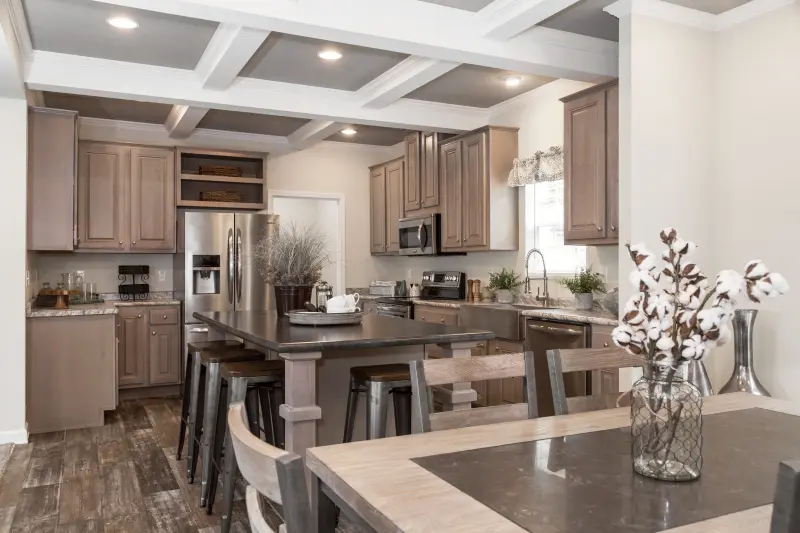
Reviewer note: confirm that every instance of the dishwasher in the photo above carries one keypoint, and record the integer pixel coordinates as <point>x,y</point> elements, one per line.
<point>543,335</point>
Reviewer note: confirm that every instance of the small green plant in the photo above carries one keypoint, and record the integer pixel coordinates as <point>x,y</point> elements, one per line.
<point>585,281</point>
<point>504,280</point>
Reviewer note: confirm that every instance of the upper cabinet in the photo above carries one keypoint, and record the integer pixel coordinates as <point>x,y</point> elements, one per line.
<point>126,198</point>
<point>219,179</point>
<point>422,179</point>
<point>52,165</point>
<point>387,203</point>
<point>591,166</point>
<point>480,212</point>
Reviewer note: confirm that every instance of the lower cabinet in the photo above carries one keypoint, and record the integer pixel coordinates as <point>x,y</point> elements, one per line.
<point>499,391</point>
<point>603,381</point>
<point>435,315</point>
<point>148,353</point>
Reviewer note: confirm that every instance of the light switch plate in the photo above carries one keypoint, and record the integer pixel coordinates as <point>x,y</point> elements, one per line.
<point>162,275</point>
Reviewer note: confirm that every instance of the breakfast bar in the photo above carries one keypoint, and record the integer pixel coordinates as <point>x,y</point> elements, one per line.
<point>301,347</point>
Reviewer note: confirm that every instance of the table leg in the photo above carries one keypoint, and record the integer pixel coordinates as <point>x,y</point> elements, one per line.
<point>300,409</point>
<point>324,510</point>
<point>462,395</point>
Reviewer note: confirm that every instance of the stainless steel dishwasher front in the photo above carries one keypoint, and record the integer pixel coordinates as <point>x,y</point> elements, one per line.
<point>543,335</point>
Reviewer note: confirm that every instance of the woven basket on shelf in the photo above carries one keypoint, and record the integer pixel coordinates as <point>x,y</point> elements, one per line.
<point>220,196</point>
<point>220,170</point>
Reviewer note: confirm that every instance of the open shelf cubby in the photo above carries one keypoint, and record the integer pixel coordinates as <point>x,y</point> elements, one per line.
<point>194,178</point>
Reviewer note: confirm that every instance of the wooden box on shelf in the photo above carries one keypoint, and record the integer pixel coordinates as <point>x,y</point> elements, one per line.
<point>221,179</point>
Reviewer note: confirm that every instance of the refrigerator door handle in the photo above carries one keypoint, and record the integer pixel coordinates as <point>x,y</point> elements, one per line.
<point>238,265</point>
<point>231,261</point>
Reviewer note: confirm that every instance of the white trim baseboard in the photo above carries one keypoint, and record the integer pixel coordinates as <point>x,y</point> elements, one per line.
<point>15,436</point>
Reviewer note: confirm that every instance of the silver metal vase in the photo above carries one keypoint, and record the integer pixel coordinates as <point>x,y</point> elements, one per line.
<point>744,376</point>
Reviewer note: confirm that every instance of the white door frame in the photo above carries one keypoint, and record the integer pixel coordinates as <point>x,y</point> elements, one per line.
<point>339,197</point>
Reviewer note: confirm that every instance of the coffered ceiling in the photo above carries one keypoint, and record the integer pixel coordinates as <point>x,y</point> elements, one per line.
<point>109,108</point>
<point>467,5</point>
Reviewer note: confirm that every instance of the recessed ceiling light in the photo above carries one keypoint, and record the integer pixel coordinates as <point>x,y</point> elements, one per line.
<point>349,131</point>
<point>123,22</point>
<point>512,81</point>
<point>329,55</point>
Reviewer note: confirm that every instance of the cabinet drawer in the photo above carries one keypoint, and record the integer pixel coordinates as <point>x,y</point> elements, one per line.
<point>601,337</point>
<point>436,315</point>
<point>164,316</point>
<point>603,381</point>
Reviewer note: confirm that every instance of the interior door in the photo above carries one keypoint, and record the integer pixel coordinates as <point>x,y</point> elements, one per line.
<point>476,195</point>
<point>251,292</point>
<point>209,237</point>
<point>394,204</point>
<point>450,172</point>
<point>103,171</point>
<point>152,199</point>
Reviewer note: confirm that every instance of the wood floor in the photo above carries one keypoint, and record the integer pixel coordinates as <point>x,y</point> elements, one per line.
<point>121,478</point>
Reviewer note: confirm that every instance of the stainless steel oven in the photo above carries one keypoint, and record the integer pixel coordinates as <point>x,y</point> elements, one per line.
<point>394,307</point>
<point>419,235</point>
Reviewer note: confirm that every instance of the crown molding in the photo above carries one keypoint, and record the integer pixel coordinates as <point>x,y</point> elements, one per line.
<point>19,23</point>
<point>665,11</point>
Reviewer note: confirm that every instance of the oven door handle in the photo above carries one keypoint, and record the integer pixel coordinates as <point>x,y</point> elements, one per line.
<point>567,332</point>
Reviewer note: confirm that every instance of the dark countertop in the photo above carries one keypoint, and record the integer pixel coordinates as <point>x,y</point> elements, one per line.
<point>265,329</point>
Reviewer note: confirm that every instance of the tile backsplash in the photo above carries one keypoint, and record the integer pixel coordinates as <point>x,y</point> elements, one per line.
<point>101,269</point>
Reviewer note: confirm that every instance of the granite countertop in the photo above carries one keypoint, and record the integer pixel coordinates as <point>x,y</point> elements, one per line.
<point>109,307</point>
<point>597,317</point>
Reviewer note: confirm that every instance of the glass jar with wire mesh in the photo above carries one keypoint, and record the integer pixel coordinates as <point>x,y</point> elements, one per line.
<point>666,424</point>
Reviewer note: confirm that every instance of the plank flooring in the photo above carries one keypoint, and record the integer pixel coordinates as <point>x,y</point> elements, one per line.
<point>119,478</point>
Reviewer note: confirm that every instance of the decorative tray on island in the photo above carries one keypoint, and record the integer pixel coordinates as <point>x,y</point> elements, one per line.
<point>315,318</point>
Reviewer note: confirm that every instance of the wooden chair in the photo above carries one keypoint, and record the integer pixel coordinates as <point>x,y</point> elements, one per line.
<point>786,507</point>
<point>276,474</point>
<point>585,360</point>
<point>434,372</point>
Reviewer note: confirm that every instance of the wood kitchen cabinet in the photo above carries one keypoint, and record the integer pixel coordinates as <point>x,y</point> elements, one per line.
<point>603,381</point>
<point>591,166</point>
<point>52,166</point>
<point>150,346</point>
<point>126,198</point>
<point>386,206</point>
<point>422,179</point>
<point>480,211</point>
<point>435,315</point>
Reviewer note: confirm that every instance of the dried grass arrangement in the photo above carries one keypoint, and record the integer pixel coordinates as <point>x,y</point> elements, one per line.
<point>292,256</point>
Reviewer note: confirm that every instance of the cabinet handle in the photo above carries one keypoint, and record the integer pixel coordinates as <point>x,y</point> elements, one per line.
<point>613,228</point>
<point>458,240</point>
<point>605,345</point>
<point>120,242</point>
<point>443,321</point>
<point>154,333</point>
<point>134,242</point>
<point>422,318</point>
<point>479,345</point>
<point>497,349</point>
<point>165,317</point>
<point>599,228</point>
<point>139,315</point>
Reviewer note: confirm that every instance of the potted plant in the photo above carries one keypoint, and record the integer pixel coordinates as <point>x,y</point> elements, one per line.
<point>583,285</point>
<point>502,284</point>
<point>291,260</point>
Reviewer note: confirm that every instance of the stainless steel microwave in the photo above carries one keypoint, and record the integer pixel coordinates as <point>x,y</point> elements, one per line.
<point>420,235</point>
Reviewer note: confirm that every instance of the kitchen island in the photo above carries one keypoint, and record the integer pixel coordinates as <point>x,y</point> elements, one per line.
<point>303,347</point>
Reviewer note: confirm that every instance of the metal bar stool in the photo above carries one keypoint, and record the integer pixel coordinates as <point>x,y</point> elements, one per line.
<point>191,396</point>
<point>251,382</point>
<point>378,382</point>
<point>209,390</point>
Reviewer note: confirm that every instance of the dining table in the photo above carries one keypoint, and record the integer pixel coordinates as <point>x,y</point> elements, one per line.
<point>559,474</point>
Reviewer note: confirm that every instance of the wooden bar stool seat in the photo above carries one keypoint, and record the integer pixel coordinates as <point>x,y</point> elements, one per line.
<point>377,382</point>
<point>259,384</point>
<point>191,396</point>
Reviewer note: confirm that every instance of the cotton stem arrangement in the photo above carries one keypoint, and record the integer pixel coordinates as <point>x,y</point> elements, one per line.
<point>678,315</point>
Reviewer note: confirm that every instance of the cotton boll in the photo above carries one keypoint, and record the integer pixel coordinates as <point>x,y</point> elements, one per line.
<point>779,284</point>
<point>647,263</point>
<point>665,344</point>
<point>754,293</point>
<point>668,235</point>
<point>678,245</point>
<point>729,283</point>
<point>622,335</point>
<point>725,335</point>
<point>755,269</point>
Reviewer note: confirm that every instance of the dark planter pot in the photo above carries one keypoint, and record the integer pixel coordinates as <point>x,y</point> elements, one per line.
<point>291,297</point>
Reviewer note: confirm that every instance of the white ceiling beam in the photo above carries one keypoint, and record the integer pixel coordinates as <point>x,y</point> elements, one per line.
<point>182,120</point>
<point>229,50</point>
<point>312,133</point>
<point>508,18</point>
<point>15,49</point>
<point>416,28</point>
<point>50,71</point>
<point>408,75</point>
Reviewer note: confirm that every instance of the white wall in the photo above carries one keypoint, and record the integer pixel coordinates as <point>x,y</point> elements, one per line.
<point>13,152</point>
<point>756,183</point>
<point>102,268</point>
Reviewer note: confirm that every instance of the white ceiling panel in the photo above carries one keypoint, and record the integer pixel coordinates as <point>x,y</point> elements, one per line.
<point>374,135</point>
<point>715,7</point>
<point>217,119</point>
<point>79,27</point>
<point>109,108</point>
<point>587,18</point>
<point>475,86</point>
<point>293,59</point>
<point>467,5</point>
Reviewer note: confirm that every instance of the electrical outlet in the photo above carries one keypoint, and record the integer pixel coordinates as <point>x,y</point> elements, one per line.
<point>162,275</point>
<point>80,274</point>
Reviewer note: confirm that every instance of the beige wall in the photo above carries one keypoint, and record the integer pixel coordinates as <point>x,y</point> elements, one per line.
<point>102,268</point>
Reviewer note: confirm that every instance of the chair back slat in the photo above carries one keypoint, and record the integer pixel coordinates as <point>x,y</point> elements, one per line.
<point>786,507</point>
<point>277,474</point>
<point>485,367</point>
<point>432,373</point>
<point>585,360</point>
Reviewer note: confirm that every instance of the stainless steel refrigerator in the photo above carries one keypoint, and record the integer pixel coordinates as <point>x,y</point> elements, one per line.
<point>215,266</point>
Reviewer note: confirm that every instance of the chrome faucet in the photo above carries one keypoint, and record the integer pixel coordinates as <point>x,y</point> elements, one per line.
<point>546,297</point>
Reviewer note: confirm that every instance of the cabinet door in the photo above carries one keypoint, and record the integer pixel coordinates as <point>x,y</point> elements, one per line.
<point>52,137</point>
<point>377,210</point>
<point>132,353</point>
<point>394,204</point>
<point>152,199</point>
<point>612,162</point>
<point>603,381</point>
<point>511,389</point>
<point>450,172</point>
<point>482,348</point>
<point>585,167</point>
<point>429,170</point>
<point>165,355</point>
<point>474,176</point>
<point>412,179</point>
<point>102,182</point>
